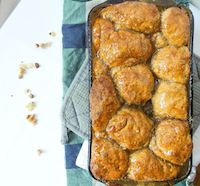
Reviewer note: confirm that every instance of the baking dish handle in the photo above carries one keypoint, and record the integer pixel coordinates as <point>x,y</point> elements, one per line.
<point>157,2</point>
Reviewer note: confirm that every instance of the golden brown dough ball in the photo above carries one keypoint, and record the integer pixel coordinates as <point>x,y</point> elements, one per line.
<point>139,16</point>
<point>125,48</point>
<point>99,68</point>
<point>108,160</point>
<point>130,128</point>
<point>172,64</point>
<point>176,26</point>
<point>135,84</point>
<point>103,102</point>
<point>145,166</point>
<point>172,141</point>
<point>159,40</point>
<point>170,100</point>
<point>100,32</point>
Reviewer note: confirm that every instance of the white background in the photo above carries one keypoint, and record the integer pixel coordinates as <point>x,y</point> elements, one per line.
<point>20,165</point>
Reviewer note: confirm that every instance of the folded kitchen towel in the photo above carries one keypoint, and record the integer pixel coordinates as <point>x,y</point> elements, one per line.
<point>76,85</point>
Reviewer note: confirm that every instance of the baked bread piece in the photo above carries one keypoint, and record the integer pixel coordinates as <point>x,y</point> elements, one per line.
<point>176,26</point>
<point>145,166</point>
<point>130,128</point>
<point>172,64</point>
<point>170,100</point>
<point>103,102</point>
<point>135,84</point>
<point>159,40</point>
<point>100,31</point>
<point>108,160</point>
<point>139,16</point>
<point>99,68</point>
<point>125,48</point>
<point>172,141</point>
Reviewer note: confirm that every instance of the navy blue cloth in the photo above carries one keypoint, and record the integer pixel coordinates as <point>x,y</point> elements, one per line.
<point>71,153</point>
<point>74,35</point>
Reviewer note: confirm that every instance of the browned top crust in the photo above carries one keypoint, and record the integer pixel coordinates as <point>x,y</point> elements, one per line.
<point>108,161</point>
<point>145,166</point>
<point>172,141</point>
<point>125,48</point>
<point>130,128</point>
<point>99,68</point>
<point>125,144</point>
<point>170,101</point>
<point>103,102</point>
<point>172,64</point>
<point>135,84</point>
<point>176,26</point>
<point>139,16</point>
<point>100,32</point>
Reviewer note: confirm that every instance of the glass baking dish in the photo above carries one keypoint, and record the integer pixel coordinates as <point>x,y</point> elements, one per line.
<point>94,13</point>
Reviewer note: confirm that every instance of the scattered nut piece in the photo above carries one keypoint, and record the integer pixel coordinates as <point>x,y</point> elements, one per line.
<point>27,65</point>
<point>31,96</point>
<point>30,106</point>
<point>32,118</point>
<point>22,71</point>
<point>43,45</point>
<point>27,91</point>
<point>39,152</point>
<point>53,34</point>
<point>37,65</point>
<point>23,68</point>
<point>46,45</point>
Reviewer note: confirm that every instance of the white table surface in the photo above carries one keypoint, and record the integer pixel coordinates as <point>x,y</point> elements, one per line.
<point>20,165</point>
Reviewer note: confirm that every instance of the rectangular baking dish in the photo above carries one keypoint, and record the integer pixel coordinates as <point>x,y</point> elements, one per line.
<point>185,171</point>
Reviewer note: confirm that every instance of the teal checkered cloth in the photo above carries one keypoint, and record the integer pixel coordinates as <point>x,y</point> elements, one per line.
<point>75,113</point>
